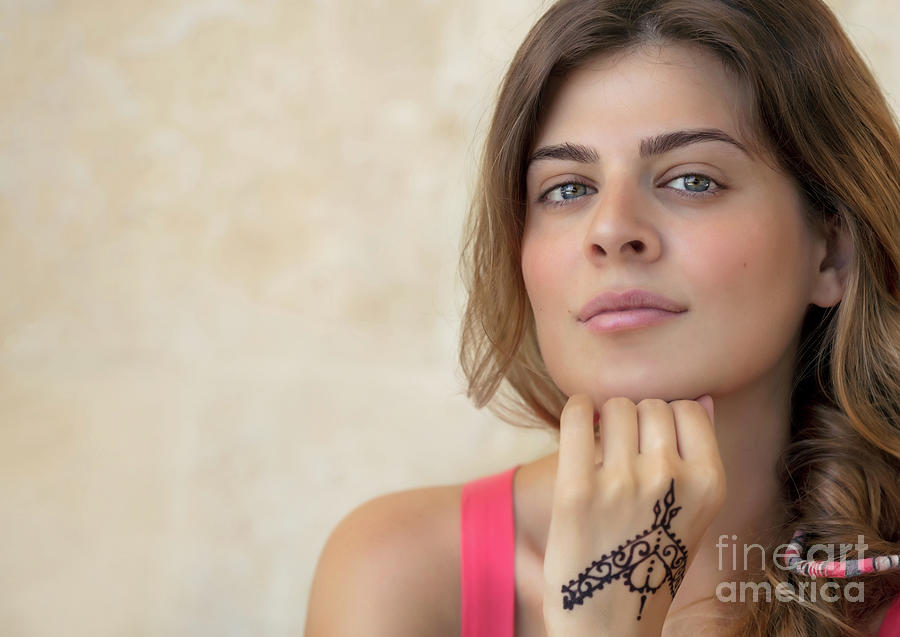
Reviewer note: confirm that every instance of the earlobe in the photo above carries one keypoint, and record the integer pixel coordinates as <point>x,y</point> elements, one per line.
<point>834,267</point>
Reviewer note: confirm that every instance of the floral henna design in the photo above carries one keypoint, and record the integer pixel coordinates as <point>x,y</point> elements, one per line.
<point>636,561</point>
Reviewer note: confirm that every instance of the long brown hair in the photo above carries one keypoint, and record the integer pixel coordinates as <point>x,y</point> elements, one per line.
<point>821,114</point>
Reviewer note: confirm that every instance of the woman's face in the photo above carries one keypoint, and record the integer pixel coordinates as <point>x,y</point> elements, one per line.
<point>702,222</point>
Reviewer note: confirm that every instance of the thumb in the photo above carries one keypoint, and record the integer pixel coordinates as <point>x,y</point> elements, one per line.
<point>707,402</point>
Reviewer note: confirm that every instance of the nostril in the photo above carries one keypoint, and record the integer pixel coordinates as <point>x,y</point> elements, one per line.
<point>638,246</point>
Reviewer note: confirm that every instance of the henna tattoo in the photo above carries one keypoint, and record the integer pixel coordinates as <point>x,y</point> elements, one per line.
<point>635,561</point>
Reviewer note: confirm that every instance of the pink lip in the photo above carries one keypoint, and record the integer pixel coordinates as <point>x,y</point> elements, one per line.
<point>625,319</point>
<point>633,308</point>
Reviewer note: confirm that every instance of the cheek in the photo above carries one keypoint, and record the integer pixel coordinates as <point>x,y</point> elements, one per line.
<point>542,269</point>
<point>753,275</point>
<point>734,259</point>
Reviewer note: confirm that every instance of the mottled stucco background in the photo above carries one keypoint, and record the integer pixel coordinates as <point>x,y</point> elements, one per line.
<point>228,295</point>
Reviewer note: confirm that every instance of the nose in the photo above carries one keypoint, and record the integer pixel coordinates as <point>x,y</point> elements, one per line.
<point>620,227</point>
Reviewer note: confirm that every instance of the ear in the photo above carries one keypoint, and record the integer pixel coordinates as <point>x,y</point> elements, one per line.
<point>835,254</point>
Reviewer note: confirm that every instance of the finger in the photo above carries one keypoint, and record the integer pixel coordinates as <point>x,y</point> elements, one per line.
<point>656,428</point>
<point>575,468</point>
<point>618,431</point>
<point>695,431</point>
<point>707,402</point>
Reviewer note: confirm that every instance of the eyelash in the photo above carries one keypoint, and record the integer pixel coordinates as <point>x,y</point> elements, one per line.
<point>682,193</point>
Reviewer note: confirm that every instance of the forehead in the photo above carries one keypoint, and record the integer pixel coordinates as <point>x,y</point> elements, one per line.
<point>644,91</point>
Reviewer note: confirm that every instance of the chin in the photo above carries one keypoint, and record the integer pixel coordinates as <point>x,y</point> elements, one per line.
<point>600,393</point>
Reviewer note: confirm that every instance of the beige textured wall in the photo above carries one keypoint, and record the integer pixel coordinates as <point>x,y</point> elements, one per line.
<point>228,242</point>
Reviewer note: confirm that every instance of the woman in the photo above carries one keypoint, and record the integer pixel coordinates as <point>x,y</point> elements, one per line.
<point>683,256</point>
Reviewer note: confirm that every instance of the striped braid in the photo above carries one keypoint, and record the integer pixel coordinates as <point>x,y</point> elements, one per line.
<point>837,568</point>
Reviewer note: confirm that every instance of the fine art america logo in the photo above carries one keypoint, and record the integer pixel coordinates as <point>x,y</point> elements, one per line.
<point>787,557</point>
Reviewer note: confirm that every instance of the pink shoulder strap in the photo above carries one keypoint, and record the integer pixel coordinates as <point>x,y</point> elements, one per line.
<point>890,625</point>
<point>487,556</point>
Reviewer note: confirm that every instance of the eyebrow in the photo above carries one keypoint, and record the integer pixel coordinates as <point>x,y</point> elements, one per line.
<point>649,147</point>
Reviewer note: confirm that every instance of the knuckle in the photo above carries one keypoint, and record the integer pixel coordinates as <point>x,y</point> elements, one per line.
<point>652,403</point>
<point>688,408</point>
<point>580,399</point>
<point>709,480</point>
<point>620,486</point>
<point>666,467</point>
<point>577,403</point>
<point>575,495</point>
<point>618,401</point>
<point>664,470</point>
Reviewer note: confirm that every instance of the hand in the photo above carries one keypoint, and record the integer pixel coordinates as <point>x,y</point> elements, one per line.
<point>627,512</point>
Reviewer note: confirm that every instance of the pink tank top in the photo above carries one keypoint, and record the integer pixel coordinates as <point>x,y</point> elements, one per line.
<point>487,556</point>
<point>487,560</point>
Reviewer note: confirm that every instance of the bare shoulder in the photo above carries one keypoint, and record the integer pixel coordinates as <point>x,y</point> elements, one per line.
<point>391,567</point>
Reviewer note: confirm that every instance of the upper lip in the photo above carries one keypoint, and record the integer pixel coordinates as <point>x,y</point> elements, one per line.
<point>628,300</point>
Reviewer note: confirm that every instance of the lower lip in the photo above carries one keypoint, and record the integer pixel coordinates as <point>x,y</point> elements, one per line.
<point>627,319</point>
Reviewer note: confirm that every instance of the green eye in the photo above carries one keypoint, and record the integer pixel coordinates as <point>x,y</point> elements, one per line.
<point>695,185</point>
<point>570,191</point>
<point>565,192</point>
